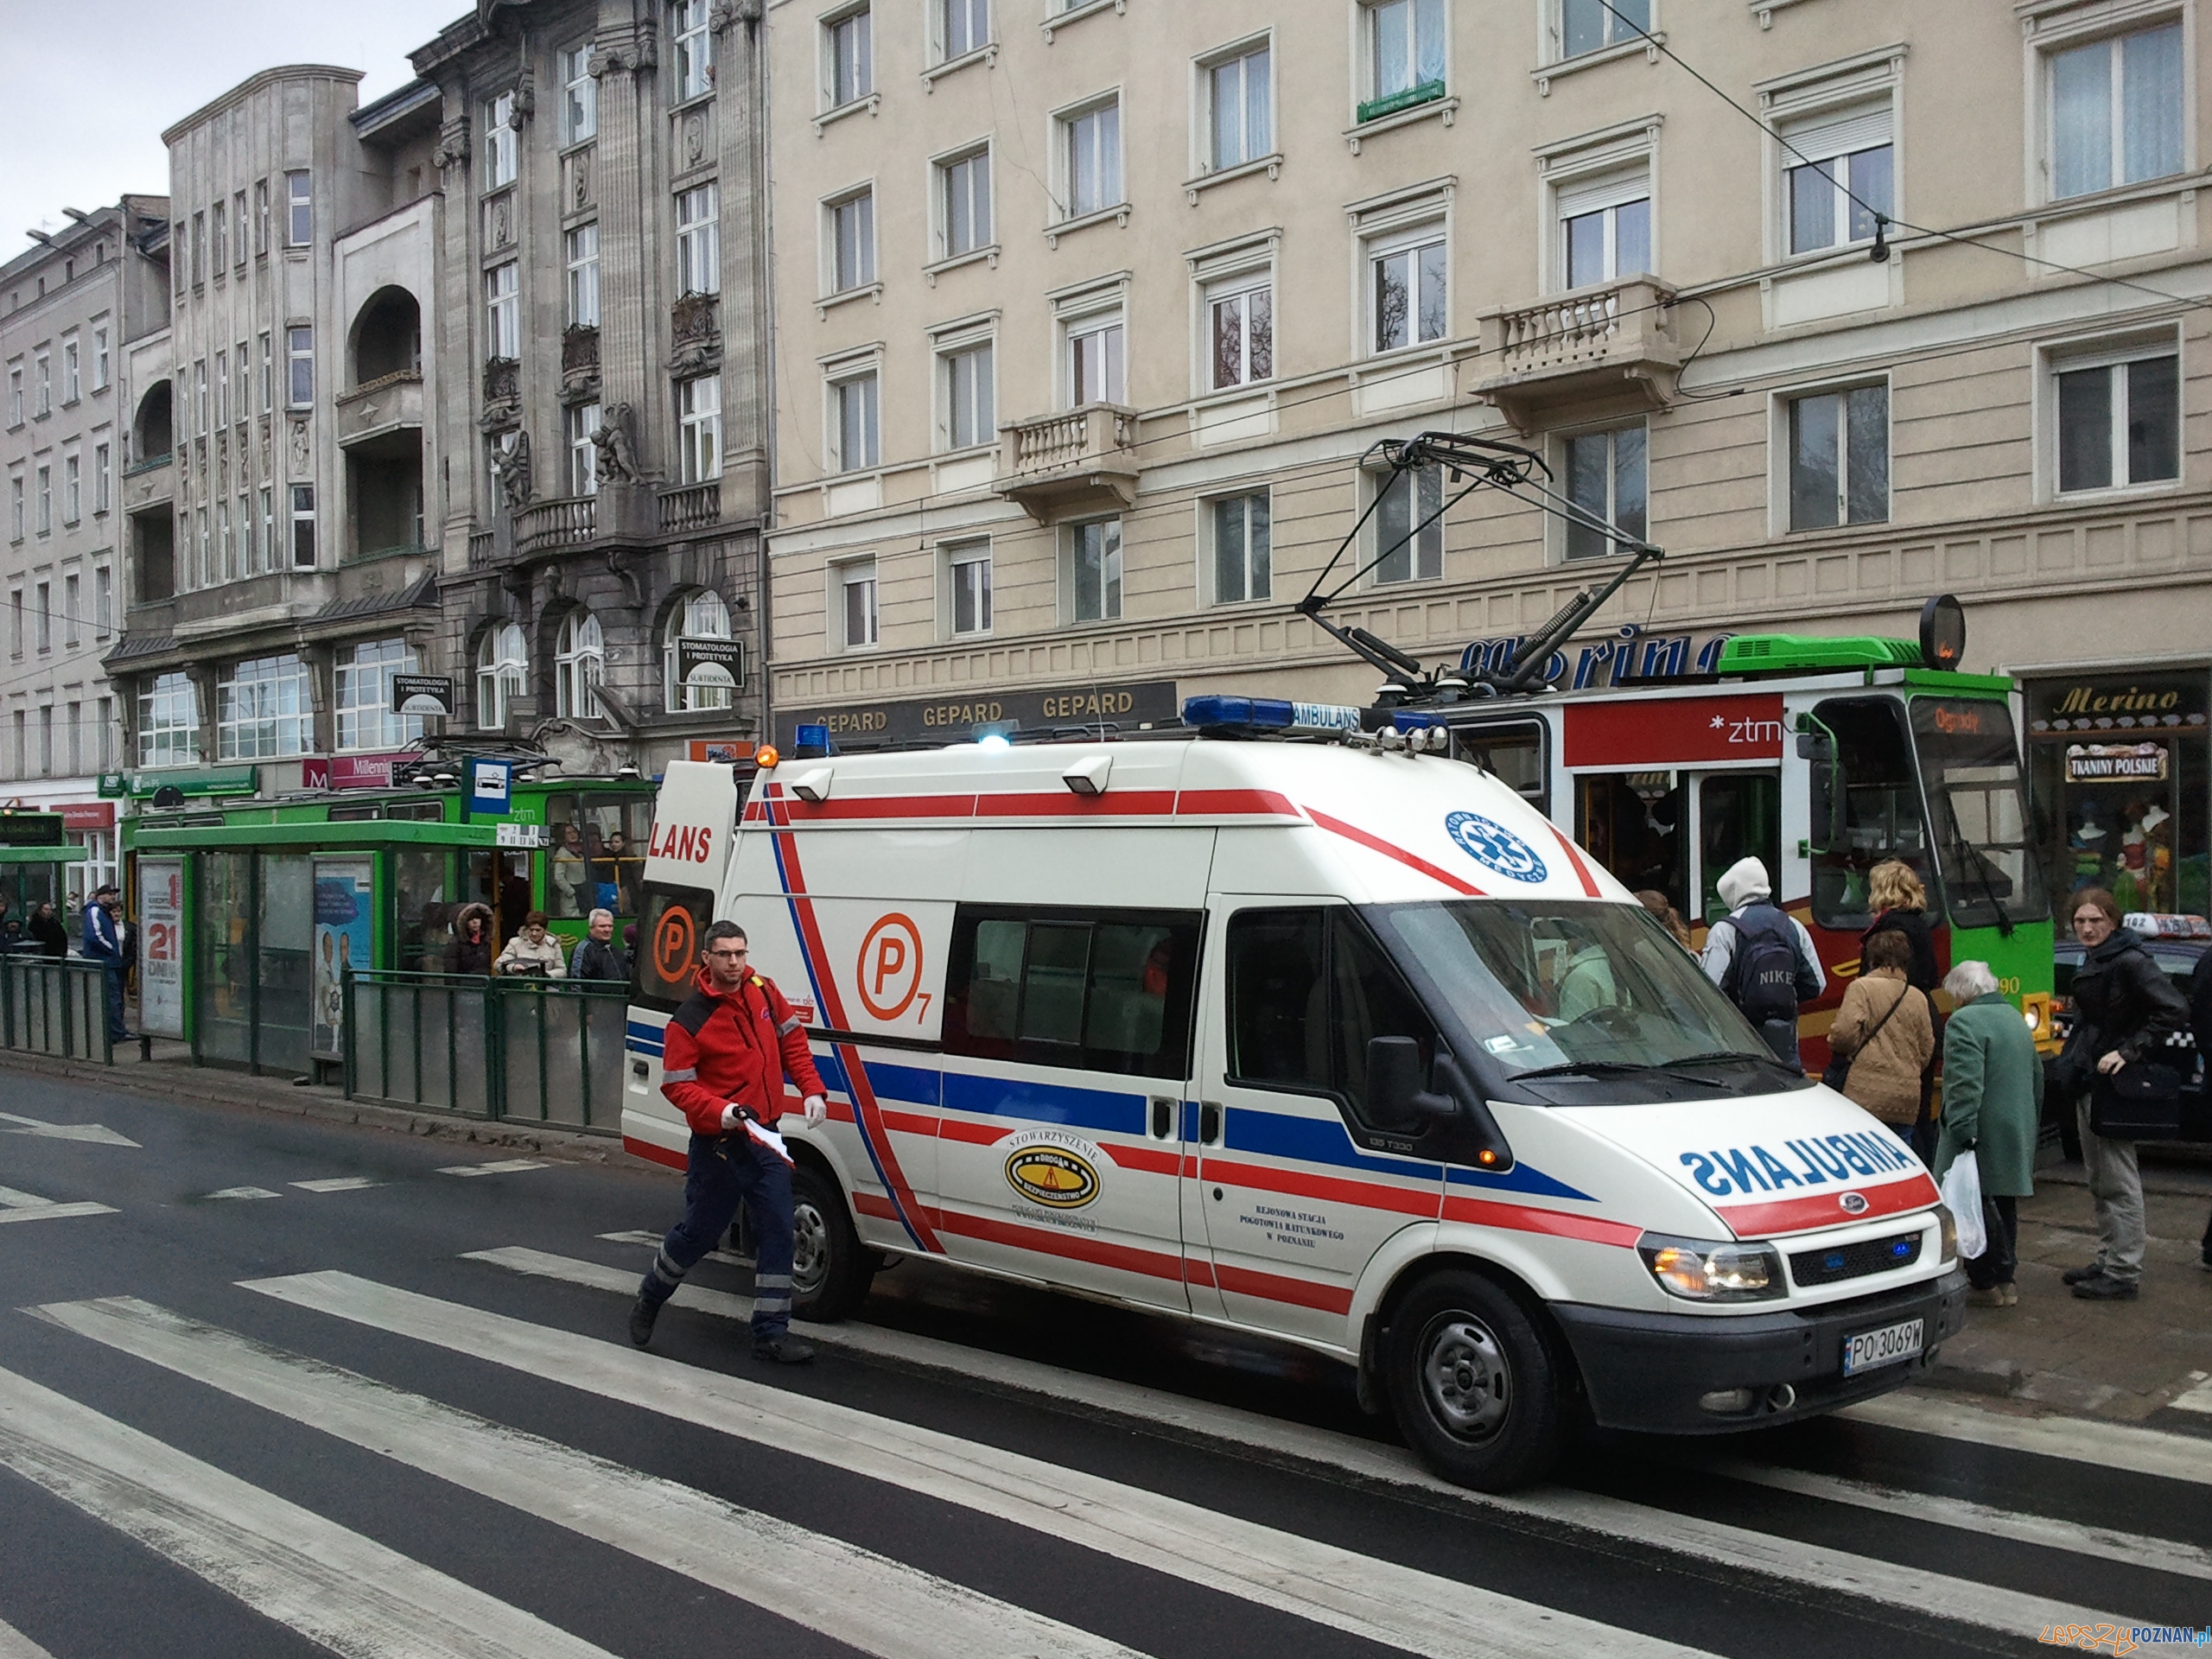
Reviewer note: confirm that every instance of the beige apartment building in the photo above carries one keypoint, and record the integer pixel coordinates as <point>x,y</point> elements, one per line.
<point>1086,315</point>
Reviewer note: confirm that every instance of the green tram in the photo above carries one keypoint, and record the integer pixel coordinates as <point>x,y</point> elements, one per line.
<point>252,910</point>
<point>35,850</point>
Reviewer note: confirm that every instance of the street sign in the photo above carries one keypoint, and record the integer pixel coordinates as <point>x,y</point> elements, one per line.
<point>422,694</point>
<point>491,787</point>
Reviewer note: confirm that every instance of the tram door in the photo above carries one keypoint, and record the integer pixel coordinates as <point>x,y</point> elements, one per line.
<point>1637,825</point>
<point>1737,814</point>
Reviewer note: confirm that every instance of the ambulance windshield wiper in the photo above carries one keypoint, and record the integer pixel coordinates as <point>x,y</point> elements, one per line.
<point>1627,1069</point>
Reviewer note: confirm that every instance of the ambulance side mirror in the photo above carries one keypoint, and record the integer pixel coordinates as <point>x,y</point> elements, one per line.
<point>1395,1100</point>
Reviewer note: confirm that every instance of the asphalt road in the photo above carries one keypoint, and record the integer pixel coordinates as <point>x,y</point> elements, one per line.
<point>276,1387</point>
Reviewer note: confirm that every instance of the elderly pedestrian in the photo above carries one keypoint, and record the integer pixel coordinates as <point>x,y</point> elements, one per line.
<point>598,957</point>
<point>1993,1107</point>
<point>1762,959</point>
<point>532,951</point>
<point>2125,1010</point>
<point>1886,1029</point>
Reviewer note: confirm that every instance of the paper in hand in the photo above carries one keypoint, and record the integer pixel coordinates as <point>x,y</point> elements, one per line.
<point>768,1138</point>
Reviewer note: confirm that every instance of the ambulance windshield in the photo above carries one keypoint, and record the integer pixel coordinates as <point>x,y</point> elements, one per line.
<point>1573,987</point>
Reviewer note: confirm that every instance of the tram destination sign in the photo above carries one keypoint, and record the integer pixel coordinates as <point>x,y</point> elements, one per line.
<point>422,694</point>
<point>954,718</point>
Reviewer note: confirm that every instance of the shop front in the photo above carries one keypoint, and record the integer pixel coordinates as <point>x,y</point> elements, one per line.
<point>857,723</point>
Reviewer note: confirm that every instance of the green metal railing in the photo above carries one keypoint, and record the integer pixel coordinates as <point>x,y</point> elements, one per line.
<point>54,1006</point>
<point>531,1050</point>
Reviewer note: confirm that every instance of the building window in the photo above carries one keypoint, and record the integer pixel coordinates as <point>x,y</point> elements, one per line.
<point>857,608</point>
<point>103,601</point>
<point>304,526</point>
<point>579,665</point>
<point>44,477</point>
<point>42,615</point>
<point>1090,159</point>
<point>242,359</point>
<point>583,275</point>
<point>72,606</point>
<point>1593,25</point>
<point>71,376</point>
<point>698,242</point>
<point>1239,114</point>
<point>366,717</point>
<point>1094,577</point>
<point>237,230</point>
<point>853,435</point>
<point>203,566</point>
<point>42,376</point>
<point>300,224</point>
<point>227,552</point>
<point>15,622</point>
<point>73,488</point>
<point>1242,564</point>
<point>222,388</point>
<point>701,616</point>
<point>694,35</point>
<point>1840,458</point>
<point>261,216</point>
<point>699,428</point>
<point>970,397</point>
<point>15,394</point>
<point>848,58</point>
<point>264,709</point>
<point>1409,292</point>
<point>966,25</point>
<point>299,358</point>
<point>199,248</point>
<point>203,423</point>
<point>852,243</point>
<point>501,156</point>
<point>502,311</point>
<point>102,476</point>
<point>248,560</point>
<point>1096,374</point>
<point>15,506</point>
<point>1410,527</point>
<point>502,675</point>
<point>1606,228</point>
<point>1837,176</point>
<point>579,96</point>
<point>101,366</point>
<point>168,722</point>
<point>1405,55</point>
<point>580,423</point>
<point>2119,422</point>
<point>1605,480</point>
<point>963,204</point>
<point>1240,328</point>
<point>221,232</point>
<point>968,574</point>
<point>268,373</point>
<point>2116,111</point>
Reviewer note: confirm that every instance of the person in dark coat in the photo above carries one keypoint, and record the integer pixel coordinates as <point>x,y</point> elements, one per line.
<point>1992,1107</point>
<point>45,927</point>
<point>598,957</point>
<point>2125,1009</point>
<point>470,951</point>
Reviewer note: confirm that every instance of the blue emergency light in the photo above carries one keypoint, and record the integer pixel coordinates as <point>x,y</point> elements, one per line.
<point>812,743</point>
<point>1269,715</point>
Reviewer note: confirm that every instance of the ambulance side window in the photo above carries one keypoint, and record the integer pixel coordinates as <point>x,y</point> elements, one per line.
<point>1091,990</point>
<point>669,935</point>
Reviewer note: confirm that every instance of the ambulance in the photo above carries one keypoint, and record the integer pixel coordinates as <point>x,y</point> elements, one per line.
<point>1278,1024</point>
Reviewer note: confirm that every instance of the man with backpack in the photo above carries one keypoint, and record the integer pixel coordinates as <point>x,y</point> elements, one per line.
<point>1762,959</point>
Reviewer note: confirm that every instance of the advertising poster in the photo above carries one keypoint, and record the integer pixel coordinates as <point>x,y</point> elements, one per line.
<point>160,946</point>
<point>344,890</point>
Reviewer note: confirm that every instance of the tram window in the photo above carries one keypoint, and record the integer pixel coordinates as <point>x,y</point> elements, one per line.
<point>1632,822</point>
<point>421,884</point>
<point>1977,814</point>
<point>1513,754</point>
<point>361,814</point>
<point>597,856</point>
<point>1881,810</point>
<point>1740,816</point>
<point>1095,990</point>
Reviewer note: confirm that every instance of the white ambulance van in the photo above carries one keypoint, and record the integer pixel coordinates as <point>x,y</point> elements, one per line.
<point>1327,1037</point>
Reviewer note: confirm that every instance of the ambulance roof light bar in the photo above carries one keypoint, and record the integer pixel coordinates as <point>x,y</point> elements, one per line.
<point>1231,716</point>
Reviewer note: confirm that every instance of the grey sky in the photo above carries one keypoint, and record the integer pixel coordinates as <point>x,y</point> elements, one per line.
<point>87,86</point>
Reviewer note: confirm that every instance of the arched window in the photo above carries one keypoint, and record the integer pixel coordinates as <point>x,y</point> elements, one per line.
<point>502,674</point>
<point>701,616</point>
<point>579,665</point>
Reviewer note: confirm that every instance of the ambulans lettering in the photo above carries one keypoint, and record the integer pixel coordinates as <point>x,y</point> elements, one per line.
<point>687,843</point>
<point>1813,1163</point>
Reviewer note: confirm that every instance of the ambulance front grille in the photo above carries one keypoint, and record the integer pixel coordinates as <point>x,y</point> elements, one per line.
<point>1841,1261</point>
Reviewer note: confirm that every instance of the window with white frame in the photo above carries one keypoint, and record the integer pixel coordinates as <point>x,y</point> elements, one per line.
<point>44,479</point>
<point>502,674</point>
<point>852,242</point>
<point>16,393</point>
<point>261,216</point>
<point>690,26</point>
<point>203,562</point>
<point>1096,371</point>
<point>102,365</point>
<point>2118,418</point>
<point>963,203</point>
<point>243,406</point>
<point>220,246</point>
<point>1239,527</point>
<point>222,388</point>
<point>1093,570</point>
<point>853,430</point>
<point>365,718</point>
<point>247,561</point>
<point>1405,51</point>
<point>102,476</point>
<point>1241,330</point>
<point>268,373</point>
<point>268,539</point>
<point>299,358</point>
<point>303,527</point>
<point>699,428</point>
<point>963,26</point>
<point>968,586</point>
<point>168,722</point>
<point>579,95</point>
<point>300,203</point>
<point>502,311</point>
<point>698,241</point>
<point>700,615</point>
<point>1603,475</point>
<point>199,248</point>
<point>579,422</point>
<point>43,619</point>
<point>202,421</point>
<point>1237,93</point>
<point>582,249</point>
<point>1593,25</point>
<point>848,58</point>
<point>579,666</point>
<point>2116,110</point>
<point>72,606</point>
<point>237,229</point>
<point>103,601</point>
<point>15,506</point>
<point>42,377</point>
<point>73,487</point>
<point>1838,457</point>
<point>970,395</point>
<point>1837,176</point>
<point>501,151</point>
<point>1090,158</point>
<point>72,372</point>
<point>264,709</point>
<point>1605,226</point>
<point>857,619</point>
<point>1408,291</point>
<point>1409,527</point>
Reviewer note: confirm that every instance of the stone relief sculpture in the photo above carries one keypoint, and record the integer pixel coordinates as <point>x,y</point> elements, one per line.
<point>617,461</point>
<point>513,467</point>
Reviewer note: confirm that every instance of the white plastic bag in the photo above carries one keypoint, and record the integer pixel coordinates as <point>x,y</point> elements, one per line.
<point>1962,1197</point>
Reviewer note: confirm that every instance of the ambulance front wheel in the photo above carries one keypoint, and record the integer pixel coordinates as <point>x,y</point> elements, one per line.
<point>831,1269</point>
<point>1473,1384</point>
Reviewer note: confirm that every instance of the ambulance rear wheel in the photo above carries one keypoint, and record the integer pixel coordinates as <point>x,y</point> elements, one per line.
<point>1473,1386</point>
<point>831,1269</point>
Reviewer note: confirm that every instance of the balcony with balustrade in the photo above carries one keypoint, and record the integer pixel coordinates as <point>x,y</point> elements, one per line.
<point>1080,457</point>
<point>1608,349</point>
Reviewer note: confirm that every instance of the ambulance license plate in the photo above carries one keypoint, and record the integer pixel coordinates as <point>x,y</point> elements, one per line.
<point>1871,1349</point>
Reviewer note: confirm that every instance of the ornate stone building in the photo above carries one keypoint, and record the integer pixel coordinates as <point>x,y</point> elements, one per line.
<point>601,326</point>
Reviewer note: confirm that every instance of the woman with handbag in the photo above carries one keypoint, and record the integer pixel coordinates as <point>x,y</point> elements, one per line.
<point>1883,1036</point>
<point>2125,1010</point>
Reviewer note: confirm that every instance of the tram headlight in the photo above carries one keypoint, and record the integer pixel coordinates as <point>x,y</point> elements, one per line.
<point>1699,1270</point>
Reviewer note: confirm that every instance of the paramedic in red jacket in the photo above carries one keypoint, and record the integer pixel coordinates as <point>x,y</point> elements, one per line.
<point>729,1049</point>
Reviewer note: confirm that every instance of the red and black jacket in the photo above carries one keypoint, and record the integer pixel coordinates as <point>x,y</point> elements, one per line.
<point>736,1047</point>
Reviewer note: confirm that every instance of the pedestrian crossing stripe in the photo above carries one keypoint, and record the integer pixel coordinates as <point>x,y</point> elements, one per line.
<point>503,1166</point>
<point>337,1184</point>
<point>28,1206</point>
<point>14,1644</point>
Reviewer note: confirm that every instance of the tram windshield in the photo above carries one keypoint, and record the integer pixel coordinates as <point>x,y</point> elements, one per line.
<point>1970,764</point>
<point>1877,800</point>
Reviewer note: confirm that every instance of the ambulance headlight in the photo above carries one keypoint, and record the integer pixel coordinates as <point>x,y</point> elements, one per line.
<point>1948,1224</point>
<point>1699,1270</point>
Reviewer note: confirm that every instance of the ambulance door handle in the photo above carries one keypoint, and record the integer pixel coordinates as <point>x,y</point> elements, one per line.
<point>1209,1124</point>
<point>1163,1118</point>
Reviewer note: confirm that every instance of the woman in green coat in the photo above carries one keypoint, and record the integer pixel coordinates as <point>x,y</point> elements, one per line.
<point>1992,1106</point>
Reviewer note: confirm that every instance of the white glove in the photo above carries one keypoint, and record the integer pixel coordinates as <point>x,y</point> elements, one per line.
<point>733,1115</point>
<point>817,1110</point>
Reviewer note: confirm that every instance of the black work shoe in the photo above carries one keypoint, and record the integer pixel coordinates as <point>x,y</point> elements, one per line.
<point>2082,1275</point>
<point>642,1315</point>
<point>786,1349</point>
<point>2104,1288</point>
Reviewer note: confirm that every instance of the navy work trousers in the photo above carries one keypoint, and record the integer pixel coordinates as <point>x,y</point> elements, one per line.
<point>724,1172</point>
